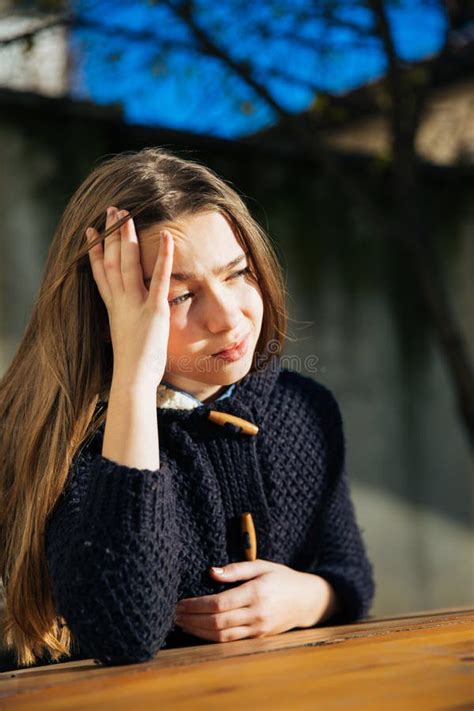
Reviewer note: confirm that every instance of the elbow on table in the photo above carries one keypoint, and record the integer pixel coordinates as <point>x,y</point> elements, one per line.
<point>120,643</point>
<point>122,653</point>
<point>138,657</point>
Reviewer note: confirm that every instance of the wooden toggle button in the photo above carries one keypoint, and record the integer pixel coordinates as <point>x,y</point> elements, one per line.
<point>249,537</point>
<point>222,418</point>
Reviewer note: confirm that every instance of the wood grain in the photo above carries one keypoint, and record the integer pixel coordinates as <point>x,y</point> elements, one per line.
<point>421,661</point>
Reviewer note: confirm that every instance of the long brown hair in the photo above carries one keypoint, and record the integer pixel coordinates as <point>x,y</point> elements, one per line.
<point>63,367</point>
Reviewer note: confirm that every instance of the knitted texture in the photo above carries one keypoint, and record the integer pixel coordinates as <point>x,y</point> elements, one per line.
<point>124,545</point>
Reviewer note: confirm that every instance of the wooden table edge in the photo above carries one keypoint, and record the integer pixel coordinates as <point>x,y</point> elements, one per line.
<point>50,675</point>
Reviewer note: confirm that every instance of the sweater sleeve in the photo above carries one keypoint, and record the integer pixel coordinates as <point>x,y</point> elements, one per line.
<point>112,548</point>
<point>341,554</point>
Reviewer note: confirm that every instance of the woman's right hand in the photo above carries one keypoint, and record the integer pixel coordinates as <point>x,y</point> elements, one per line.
<point>139,318</point>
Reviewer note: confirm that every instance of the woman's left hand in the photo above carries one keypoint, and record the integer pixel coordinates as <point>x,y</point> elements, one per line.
<point>275,599</point>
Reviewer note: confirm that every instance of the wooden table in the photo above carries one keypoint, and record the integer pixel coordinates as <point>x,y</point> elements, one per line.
<point>416,662</point>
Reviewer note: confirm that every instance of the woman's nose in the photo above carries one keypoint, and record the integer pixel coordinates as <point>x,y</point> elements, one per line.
<point>223,312</point>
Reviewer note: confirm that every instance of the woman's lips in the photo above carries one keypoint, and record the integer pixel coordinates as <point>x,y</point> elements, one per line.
<point>236,352</point>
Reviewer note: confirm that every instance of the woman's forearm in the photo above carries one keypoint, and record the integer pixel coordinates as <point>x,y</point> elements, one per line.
<point>131,428</point>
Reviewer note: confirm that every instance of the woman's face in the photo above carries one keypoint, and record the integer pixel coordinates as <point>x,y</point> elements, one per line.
<point>210,310</point>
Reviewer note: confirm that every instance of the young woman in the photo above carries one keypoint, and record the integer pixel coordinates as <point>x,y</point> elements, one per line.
<point>124,474</point>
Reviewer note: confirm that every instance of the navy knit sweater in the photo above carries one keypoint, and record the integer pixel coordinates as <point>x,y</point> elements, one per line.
<point>123,545</point>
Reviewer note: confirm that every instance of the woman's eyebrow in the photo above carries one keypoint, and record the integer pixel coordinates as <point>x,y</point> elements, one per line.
<point>187,276</point>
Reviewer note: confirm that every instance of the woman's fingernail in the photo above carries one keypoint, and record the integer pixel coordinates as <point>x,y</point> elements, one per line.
<point>219,571</point>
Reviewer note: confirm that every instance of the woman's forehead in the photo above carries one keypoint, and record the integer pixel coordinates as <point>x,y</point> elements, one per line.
<point>191,228</point>
<point>202,243</point>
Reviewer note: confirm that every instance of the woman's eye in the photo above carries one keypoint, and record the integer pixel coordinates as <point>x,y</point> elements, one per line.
<point>184,297</point>
<point>240,273</point>
<point>179,299</point>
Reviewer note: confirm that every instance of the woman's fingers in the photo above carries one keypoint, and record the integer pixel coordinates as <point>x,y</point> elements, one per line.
<point>112,253</point>
<point>218,620</point>
<point>132,274</point>
<point>116,263</point>
<point>96,257</point>
<point>160,280</point>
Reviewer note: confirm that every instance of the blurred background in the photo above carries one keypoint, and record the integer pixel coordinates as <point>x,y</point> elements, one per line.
<point>348,127</point>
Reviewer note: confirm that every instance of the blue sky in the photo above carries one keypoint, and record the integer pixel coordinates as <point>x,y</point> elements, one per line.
<point>140,55</point>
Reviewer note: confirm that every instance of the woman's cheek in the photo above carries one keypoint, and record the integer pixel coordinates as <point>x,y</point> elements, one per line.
<point>255,300</point>
<point>178,330</point>
<point>182,317</point>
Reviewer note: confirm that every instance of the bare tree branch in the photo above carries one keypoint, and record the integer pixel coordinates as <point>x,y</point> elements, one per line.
<point>29,35</point>
<point>185,12</point>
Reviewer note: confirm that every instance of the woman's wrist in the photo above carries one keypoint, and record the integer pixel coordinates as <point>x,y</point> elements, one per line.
<point>131,384</point>
<point>131,428</point>
<point>321,601</point>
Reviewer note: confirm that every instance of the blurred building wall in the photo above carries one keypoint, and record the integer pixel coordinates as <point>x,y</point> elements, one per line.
<point>408,461</point>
